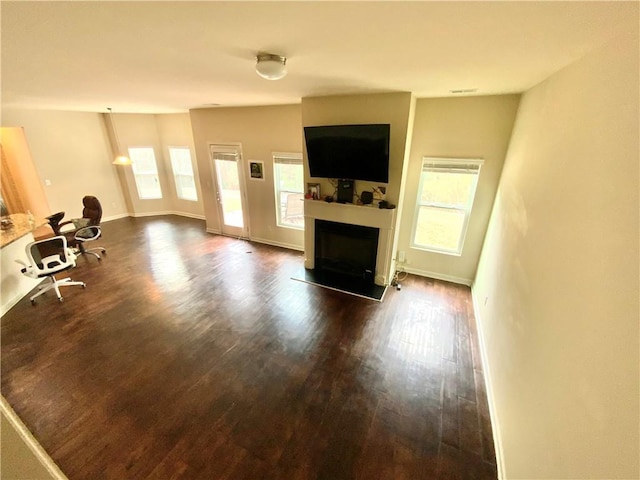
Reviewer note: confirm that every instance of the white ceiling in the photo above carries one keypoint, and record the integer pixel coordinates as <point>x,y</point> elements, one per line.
<point>154,57</point>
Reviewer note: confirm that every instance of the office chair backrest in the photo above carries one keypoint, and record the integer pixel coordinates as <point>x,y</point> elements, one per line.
<point>92,210</point>
<point>49,256</point>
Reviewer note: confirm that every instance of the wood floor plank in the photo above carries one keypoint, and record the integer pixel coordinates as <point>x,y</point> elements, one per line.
<point>196,356</point>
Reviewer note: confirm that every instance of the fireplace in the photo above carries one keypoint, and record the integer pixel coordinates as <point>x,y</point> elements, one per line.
<point>346,250</point>
<point>381,221</point>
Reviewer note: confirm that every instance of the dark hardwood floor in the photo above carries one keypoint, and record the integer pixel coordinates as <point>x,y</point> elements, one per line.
<point>191,355</point>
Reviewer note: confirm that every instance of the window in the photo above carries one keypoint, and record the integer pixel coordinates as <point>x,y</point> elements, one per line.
<point>145,172</point>
<point>445,198</point>
<point>289,188</point>
<point>183,173</point>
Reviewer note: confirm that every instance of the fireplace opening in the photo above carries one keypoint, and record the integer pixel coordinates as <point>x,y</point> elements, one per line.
<point>347,251</point>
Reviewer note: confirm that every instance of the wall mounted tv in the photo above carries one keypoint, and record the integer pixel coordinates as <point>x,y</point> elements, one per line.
<point>355,152</point>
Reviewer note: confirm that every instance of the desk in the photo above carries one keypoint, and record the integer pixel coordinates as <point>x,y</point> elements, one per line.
<point>14,285</point>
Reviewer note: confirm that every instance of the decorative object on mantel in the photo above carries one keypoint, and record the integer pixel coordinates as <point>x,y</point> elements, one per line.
<point>120,158</point>
<point>270,66</point>
<point>313,191</point>
<point>366,197</point>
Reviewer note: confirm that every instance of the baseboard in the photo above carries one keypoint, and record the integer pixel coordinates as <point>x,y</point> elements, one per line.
<point>16,298</point>
<point>289,246</point>
<point>114,217</point>
<point>190,215</point>
<point>168,212</point>
<point>30,442</point>
<point>495,424</point>
<point>439,276</point>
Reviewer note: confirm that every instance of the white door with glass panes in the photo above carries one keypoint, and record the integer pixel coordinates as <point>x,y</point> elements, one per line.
<point>230,189</point>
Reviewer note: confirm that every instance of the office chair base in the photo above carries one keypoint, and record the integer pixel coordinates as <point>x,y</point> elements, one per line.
<point>92,251</point>
<point>55,285</point>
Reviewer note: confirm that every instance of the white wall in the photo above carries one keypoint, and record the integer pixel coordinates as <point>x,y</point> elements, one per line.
<point>71,150</point>
<point>175,131</point>
<point>141,130</point>
<point>559,273</point>
<point>398,110</point>
<point>467,127</point>
<point>392,108</point>
<point>261,131</point>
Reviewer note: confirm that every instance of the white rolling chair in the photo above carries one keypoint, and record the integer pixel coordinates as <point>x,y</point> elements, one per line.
<point>47,258</point>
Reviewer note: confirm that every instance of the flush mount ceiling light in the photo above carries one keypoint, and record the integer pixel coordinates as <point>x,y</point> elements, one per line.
<point>270,66</point>
<point>120,158</point>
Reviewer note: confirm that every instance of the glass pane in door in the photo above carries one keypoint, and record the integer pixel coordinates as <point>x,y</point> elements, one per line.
<point>229,189</point>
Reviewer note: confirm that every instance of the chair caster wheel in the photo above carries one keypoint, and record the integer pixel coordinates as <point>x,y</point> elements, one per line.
<point>84,285</point>
<point>61,299</point>
<point>33,302</point>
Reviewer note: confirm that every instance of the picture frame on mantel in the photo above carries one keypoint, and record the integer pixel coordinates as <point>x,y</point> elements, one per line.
<point>256,170</point>
<point>313,191</point>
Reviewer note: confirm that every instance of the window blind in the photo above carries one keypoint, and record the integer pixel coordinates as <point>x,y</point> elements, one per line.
<point>451,165</point>
<point>225,156</point>
<point>287,158</point>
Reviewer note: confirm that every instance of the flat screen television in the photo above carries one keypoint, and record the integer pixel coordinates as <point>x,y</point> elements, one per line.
<point>355,152</point>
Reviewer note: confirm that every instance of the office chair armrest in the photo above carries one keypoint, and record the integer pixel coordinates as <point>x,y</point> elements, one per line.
<point>62,224</point>
<point>87,234</point>
<point>67,230</point>
<point>27,270</point>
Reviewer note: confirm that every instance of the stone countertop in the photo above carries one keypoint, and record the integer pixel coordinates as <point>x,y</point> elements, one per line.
<point>20,227</point>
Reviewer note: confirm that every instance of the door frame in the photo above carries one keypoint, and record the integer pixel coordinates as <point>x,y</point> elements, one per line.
<point>236,148</point>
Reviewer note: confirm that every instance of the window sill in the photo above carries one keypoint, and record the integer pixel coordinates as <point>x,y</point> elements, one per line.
<point>290,227</point>
<point>432,250</point>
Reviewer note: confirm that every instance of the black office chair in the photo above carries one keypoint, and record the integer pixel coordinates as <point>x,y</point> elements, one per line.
<point>47,258</point>
<point>85,229</point>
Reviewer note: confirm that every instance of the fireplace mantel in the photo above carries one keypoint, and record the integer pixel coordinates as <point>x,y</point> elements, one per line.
<point>367,216</point>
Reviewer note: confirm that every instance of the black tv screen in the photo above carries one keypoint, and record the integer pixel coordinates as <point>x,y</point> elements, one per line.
<point>355,152</point>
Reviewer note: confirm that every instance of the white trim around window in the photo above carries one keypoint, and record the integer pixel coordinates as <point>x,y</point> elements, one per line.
<point>288,179</point>
<point>444,202</point>
<point>145,172</point>
<point>182,168</point>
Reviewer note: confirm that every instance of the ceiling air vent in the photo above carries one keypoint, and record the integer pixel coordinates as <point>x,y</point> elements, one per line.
<point>464,90</point>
